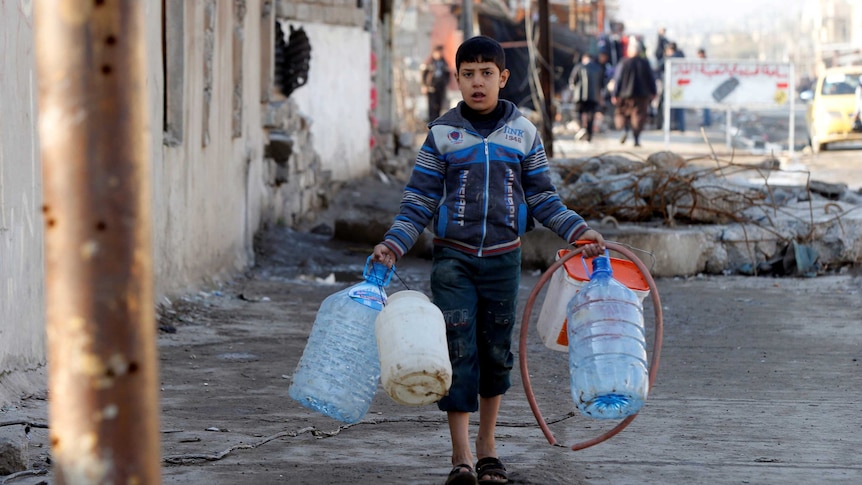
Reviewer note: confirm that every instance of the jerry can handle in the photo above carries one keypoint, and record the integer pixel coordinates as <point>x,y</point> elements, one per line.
<point>370,265</point>
<point>581,242</point>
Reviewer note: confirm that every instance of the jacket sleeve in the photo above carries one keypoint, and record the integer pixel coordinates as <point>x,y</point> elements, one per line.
<point>653,89</point>
<point>542,197</point>
<point>422,195</point>
<point>574,77</point>
<point>618,75</point>
<point>426,71</point>
<point>575,83</point>
<point>605,79</point>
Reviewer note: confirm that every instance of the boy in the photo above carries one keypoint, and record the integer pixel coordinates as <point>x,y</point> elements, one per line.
<point>480,179</point>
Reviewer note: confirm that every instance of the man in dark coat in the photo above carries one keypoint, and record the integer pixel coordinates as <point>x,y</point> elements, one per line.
<point>634,88</point>
<point>435,79</point>
<point>587,83</point>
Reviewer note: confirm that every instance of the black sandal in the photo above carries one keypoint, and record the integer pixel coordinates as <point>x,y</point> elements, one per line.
<point>462,474</point>
<point>491,471</point>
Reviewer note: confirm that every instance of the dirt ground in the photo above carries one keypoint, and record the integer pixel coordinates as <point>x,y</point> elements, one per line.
<point>759,382</point>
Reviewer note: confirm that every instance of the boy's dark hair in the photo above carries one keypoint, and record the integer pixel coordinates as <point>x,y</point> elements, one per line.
<point>481,49</point>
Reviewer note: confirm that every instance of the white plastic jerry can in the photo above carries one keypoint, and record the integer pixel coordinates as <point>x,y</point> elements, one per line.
<point>568,281</point>
<point>414,356</point>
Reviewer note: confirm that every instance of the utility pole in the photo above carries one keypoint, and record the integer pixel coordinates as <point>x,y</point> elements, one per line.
<point>467,17</point>
<point>94,133</point>
<point>600,16</point>
<point>546,76</point>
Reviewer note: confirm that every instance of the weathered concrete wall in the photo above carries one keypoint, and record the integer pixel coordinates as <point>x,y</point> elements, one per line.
<point>201,189</point>
<point>336,99</point>
<point>22,337</point>
<point>338,103</point>
<point>293,185</point>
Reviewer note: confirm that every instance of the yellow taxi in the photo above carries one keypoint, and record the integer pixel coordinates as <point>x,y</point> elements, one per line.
<point>832,107</point>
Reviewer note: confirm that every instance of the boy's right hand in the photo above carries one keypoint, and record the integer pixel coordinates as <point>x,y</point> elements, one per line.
<point>383,255</point>
<point>596,247</point>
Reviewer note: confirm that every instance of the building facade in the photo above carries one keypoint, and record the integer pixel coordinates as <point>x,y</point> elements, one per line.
<point>836,28</point>
<point>231,152</point>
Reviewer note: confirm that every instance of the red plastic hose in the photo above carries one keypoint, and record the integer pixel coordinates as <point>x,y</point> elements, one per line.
<point>525,324</point>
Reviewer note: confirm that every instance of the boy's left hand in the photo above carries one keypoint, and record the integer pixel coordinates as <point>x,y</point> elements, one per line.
<point>597,247</point>
<point>383,255</point>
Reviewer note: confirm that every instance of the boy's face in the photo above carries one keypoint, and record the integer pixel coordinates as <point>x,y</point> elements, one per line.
<point>480,84</point>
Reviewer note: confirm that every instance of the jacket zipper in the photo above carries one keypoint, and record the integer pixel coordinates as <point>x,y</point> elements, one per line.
<point>485,209</point>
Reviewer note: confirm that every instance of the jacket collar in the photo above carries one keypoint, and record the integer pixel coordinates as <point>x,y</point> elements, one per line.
<point>454,118</point>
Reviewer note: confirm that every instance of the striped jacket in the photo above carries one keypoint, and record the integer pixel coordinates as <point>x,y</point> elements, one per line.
<point>480,194</point>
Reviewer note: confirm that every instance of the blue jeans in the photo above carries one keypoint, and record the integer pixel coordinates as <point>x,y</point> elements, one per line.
<point>677,119</point>
<point>478,298</point>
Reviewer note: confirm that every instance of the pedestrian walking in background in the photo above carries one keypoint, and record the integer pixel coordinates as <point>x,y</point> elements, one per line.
<point>479,203</point>
<point>656,106</point>
<point>707,113</point>
<point>606,108</point>
<point>587,82</point>
<point>858,96</point>
<point>660,47</point>
<point>857,108</point>
<point>634,87</point>
<point>435,79</point>
<point>677,115</point>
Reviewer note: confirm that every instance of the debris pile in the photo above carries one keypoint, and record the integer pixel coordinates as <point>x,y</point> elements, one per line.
<point>667,190</point>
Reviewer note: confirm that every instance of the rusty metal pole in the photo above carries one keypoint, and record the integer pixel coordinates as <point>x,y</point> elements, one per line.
<point>600,16</point>
<point>546,77</point>
<point>467,15</point>
<point>95,141</point>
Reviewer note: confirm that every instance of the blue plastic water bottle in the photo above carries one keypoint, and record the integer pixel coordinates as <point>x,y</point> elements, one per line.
<point>607,347</point>
<point>339,370</point>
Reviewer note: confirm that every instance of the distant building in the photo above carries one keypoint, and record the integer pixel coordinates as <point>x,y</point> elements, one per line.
<point>837,31</point>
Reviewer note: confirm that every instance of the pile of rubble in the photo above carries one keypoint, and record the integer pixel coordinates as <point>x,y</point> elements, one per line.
<point>817,219</point>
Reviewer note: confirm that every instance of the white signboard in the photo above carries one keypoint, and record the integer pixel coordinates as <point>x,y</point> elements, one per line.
<point>725,84</point>
<point>713,84</point>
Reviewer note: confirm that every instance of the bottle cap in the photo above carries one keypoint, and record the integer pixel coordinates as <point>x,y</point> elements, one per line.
<point>602,264</point>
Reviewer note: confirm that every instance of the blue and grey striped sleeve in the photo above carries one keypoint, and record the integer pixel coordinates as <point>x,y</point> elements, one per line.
<point>543,199</point>
<point>420,200</point>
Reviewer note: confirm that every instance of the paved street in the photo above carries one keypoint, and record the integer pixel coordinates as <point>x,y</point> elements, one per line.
<point>759,382</point>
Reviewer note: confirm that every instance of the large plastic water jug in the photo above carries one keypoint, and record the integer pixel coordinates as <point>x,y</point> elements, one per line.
<point>414,355</point>
<point>607,347</point>
<point>568,280</point>
<point>339,370</point>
